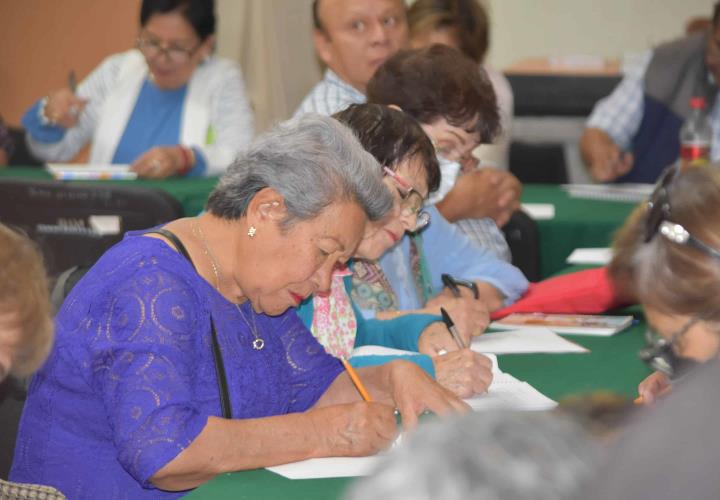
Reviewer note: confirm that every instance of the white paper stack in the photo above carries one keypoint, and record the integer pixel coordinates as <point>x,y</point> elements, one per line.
<point>628,192</point>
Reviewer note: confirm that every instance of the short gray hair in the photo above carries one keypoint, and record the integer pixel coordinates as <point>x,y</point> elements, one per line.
<point>312,161</point>
<point>493,455</point>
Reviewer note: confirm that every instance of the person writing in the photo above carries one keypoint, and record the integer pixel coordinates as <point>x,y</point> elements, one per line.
<point>179,356</point>
<point>167,107</point>
<point>668,256</point>
<point>407,162</point>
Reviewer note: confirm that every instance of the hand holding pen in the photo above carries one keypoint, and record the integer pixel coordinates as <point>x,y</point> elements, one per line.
<point>63,108</point>
<point>470,316</point>
<point>452,329</point>
<point>454,285</point>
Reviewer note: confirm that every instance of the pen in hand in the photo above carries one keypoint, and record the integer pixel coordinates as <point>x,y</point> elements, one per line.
<point>451,327</point>
<point>72,82</point>
<point>449,282</point>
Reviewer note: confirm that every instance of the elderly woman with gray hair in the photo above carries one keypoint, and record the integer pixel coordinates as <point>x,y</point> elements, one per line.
<point>179,355</point>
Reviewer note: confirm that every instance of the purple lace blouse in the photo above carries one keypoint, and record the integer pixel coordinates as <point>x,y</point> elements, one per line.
<point>131,379</point>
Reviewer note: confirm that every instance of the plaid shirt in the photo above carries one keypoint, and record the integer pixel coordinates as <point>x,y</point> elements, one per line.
<point>329,96</point>
<point>332,94</point>
<point>620,113</point>
<point>482,232</point>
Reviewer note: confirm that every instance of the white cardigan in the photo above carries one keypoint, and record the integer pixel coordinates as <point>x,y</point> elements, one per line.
<point>215,98</point>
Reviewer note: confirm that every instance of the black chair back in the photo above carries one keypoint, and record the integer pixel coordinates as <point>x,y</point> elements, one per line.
<point>21,156</point>
<point>12,400</point>
<point>74,223</point>
<point>538,163</point>
<point>523,237</point>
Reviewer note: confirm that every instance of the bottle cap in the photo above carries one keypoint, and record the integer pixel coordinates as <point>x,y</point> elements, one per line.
<point>697,102</point>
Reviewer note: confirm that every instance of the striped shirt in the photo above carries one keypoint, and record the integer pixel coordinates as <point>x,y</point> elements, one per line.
<point>329,96</point>
<point>332,94</point>
<point>620,113</point>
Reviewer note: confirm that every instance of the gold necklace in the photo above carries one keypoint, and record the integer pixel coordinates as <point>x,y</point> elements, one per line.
<point>197,231</point>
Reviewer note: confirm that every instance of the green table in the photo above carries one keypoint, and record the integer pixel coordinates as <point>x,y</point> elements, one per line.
<point>578,223</point>
<point>612,365</point>
<point>190,192</point>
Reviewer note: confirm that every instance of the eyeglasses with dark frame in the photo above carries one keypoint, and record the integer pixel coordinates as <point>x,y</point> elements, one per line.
<point>659,217</point>
<point>152,48</point>
<point>659,354</point>
<point>411,200</point>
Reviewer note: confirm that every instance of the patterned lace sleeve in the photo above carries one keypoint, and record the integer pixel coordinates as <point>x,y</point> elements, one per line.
<point>143,363</point>
<point>312,370</point>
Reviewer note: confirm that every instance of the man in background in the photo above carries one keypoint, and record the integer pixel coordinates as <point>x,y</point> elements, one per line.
<point>633,134</point>
<point>353,39</point>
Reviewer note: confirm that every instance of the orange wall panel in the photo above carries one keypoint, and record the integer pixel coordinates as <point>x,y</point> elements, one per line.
<point>42,40</point>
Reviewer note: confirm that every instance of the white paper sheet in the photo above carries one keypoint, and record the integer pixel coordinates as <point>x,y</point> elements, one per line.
<point>539,211</point>
<point>507,392</point>
<point>105,224</point>
<point>327,467</point>
<point>627,192</point>
<point>524,341</point>
<point>90,172</point>
<point>599,256</point>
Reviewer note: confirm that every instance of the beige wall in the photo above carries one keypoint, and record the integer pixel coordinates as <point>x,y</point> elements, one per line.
<point>608,28</point>
<point>41,40</point>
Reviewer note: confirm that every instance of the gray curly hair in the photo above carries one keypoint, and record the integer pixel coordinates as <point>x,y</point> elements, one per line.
<point>312,161</point>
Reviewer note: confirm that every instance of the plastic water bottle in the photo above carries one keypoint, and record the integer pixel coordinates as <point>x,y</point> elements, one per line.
<point>696,135</point>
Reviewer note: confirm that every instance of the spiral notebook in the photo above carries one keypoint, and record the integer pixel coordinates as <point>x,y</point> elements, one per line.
<point>90,172</point>
<point>630,192</point>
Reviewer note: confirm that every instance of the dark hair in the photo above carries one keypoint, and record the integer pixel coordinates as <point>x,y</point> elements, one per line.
<point>317,24</point>
<point>716,14</point>
<point>438,82</point>
<point>392,136</point>
<point>199,13</point>
<point>468,17</point>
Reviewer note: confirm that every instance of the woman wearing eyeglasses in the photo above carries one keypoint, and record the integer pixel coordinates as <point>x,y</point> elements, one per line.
<point>668,255</point>
<point>411,172</point>
<point>167,107</point>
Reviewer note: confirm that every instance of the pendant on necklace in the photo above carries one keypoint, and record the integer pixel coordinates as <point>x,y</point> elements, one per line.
<point>258,344</point>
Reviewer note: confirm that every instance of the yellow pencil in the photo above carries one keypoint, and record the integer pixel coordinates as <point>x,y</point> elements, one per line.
<point>356,380</point>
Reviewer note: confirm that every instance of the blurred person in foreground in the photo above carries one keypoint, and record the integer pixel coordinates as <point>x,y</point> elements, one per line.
<point>493,455</point>
<point>26,328</point>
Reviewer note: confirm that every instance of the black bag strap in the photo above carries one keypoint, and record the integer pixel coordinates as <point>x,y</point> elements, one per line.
<point>217,355</point>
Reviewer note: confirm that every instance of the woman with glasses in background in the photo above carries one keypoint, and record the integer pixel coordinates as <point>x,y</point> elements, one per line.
<point>668,256</point>
<point>410,168</point>
<point>167,107</point>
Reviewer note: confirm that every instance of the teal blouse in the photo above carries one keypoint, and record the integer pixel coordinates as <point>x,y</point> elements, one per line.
<point>399,333</point>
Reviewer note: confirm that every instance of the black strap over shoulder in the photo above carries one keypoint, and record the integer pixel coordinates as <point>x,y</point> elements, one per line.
<point>217,355</point>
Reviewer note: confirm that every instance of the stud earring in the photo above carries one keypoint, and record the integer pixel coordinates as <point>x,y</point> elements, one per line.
<point>252,231</point>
